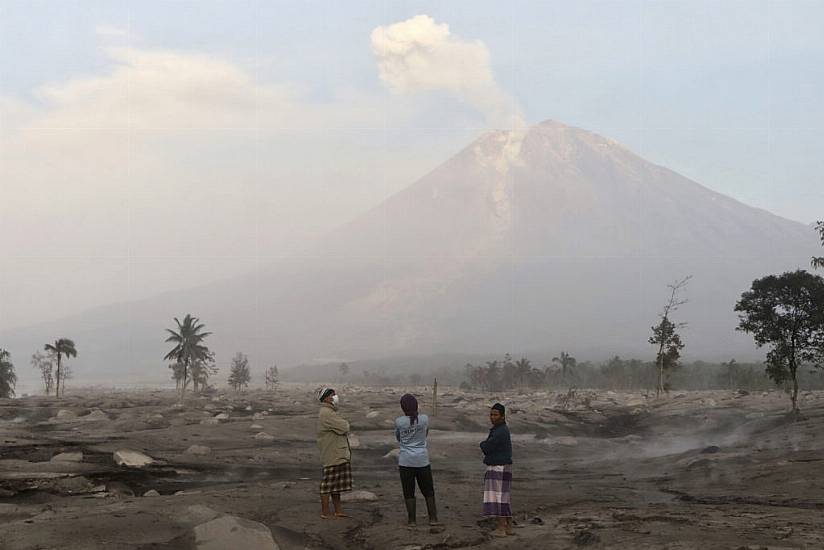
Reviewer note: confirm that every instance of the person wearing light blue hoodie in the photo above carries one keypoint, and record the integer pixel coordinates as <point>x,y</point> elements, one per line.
<point>411,430</point>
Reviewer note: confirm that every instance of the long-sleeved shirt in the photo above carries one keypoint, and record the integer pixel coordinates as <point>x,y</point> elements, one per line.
<point>412,439</point>
<point>332,437</point>
<point>498,446</point>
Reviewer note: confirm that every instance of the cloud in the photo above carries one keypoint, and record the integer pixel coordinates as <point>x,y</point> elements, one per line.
<point>420,55</point>
<point>110,31</point>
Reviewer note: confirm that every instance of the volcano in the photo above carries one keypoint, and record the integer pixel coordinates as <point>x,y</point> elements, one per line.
<point>525,242</point>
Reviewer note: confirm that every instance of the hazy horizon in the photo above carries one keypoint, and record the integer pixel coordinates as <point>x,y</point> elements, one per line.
<point>161,147</point>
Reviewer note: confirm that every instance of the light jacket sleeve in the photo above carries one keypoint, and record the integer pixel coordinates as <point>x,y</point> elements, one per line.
<point>335,423</point>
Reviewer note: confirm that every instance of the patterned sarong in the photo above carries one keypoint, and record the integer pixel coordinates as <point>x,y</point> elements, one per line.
<point>336,479</point>
<point>498,491</point>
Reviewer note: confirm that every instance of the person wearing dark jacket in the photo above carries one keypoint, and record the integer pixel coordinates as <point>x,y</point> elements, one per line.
<point>497,451</point>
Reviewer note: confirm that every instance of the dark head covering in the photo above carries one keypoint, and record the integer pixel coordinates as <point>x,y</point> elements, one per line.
<point>410,407</point>
<point>500,408</point>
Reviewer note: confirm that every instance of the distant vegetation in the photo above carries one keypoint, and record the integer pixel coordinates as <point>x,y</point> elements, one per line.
<point>192,359</point>
<point>786,313</point>
<point>665,336</point>
<point>818,261</point>
<point>271,378</point>
<point>45,365</point>
<point>62,347</point>
<point>239,375</point>
<point>7,377</point>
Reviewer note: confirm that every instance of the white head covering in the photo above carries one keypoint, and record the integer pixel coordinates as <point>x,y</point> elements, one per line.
<point>323,392</point>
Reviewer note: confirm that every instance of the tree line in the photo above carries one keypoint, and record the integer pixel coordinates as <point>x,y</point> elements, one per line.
<point>784,313</point>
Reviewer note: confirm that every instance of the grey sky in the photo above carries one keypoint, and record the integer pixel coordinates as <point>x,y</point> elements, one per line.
<point>157,145</point>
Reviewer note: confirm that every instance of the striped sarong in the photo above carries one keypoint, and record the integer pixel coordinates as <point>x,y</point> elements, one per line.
<point>336,479</point>
<point>498,491</point>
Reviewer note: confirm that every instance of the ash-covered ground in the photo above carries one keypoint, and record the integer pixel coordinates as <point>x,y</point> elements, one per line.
<point>592,469</point>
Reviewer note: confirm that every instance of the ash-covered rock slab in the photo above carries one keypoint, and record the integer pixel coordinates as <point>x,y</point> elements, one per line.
<point>230,532</point>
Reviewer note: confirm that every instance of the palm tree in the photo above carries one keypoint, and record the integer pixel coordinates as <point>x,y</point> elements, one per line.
<point>524,368</point>
<point>61,347</point>
<point>7,377</point>
<point>566,361</point>
<point>189,346</point>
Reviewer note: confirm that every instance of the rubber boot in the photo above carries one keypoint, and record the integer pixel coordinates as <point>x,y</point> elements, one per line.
<point>432,510</point>
<point>410,512</point>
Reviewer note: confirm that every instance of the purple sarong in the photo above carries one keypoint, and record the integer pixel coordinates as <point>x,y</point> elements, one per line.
<point>497,491</point>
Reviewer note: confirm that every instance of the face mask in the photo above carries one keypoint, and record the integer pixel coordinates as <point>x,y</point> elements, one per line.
<point>335,400</point>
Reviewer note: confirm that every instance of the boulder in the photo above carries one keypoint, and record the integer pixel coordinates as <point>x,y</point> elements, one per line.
<point>157,421</point>
<point>255,427</point>
<point>119,489</point>
<point>74,456</point>
<point>96,414</point>
<point>151,493</point>
<point>65,414</point>
<point>373,414</point>
<point>73,485</point>
<point>263,436</point>
<point>228,532</point>
<point>222,417</point>
<point>133,459</point>
<point>198,513</point>
<point>198,450</point>
<point>359,496</point>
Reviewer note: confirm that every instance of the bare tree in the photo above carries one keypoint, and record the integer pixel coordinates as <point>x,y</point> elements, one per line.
<point>239,375</point>
<point>45,364</point>
<point>271,379</point>
<point>665,335</point>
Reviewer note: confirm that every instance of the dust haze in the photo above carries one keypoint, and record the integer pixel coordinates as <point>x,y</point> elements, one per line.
<point>582,212</point>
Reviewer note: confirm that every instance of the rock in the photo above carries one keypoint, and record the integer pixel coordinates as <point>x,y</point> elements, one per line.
<point>359,496</point>
<point>198,450</point>
<point>157,421</point>
<point>373,414</point>
<point>228,532</point>
<point>389,422</point>
<point>6,493</point>
<point>178,406</point>
<point>198,513</point>
<point>566,440</point>
<point>743,393</point>
<point>394,453</point>
<point>255,427</point>
<point>74,456</point>
<point>259,416</point>
<point>120,489</point>
<point>354,442</point>
<point>96,414</point>
<point>134,459</point>
<point>151,493</point>
<point>710,450</point>
<point>263,436</point>
<point>586,538</point>
<point>65,414</point>
<point>73,485</point>
<point>222,417</point>
<point>536,521</point>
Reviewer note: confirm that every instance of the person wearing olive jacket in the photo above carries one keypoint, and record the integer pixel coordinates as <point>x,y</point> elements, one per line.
<point>497,451</point>
<point>335,454</point>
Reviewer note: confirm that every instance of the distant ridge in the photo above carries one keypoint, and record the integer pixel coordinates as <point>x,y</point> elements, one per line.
<point>547,239</point>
